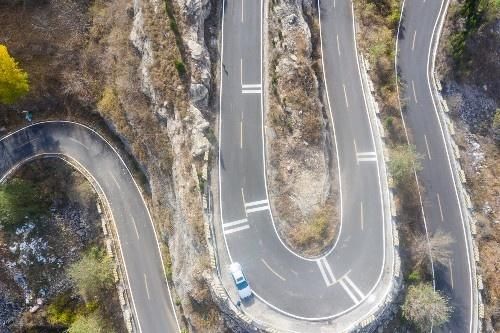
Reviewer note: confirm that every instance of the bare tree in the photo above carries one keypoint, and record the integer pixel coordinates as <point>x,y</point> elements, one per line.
<point>439,245</point>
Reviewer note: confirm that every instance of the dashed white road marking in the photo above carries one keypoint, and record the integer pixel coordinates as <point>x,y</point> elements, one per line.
<point>338,45</point>
<point>362,216</point>
<point>241,134</point>
<point>413,43</point>
<point>274,272</point>
<point>242,10</point>
<point>230,231</point>
<point>440,207</point>
<point>369,156</point>
<point>114,179</point>
<point>414,93</point>
<point>146,284</point>
<point>345,95</point>
<point>451,273</point>
<point>76,141</point>
<point>256,203</point>
<point>427,147</point>
<point>349,292</point>
<point>326,271</point>
<point>135,226</point>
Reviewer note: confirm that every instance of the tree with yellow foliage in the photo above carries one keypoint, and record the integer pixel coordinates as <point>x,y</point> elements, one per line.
<point>13,80</point>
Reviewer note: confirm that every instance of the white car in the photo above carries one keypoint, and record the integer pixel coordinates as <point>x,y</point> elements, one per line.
<point>244,290</point>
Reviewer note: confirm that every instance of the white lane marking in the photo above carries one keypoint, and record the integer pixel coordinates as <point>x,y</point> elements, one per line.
<point>257,209</point>
<point>427,147</point>
<point>242,10</point>
<point>362,216</point>
<point>451,273</point>
<point>345,95</point>
<point>243,198</point>
<point>440,208</point>
<point>231,224</point>
<point>256,203</point>
<point>369,156</point>
<point>356,151</point>
<point>241,71</point>
<point>27,142</point>
<point>334,3</point>
<point>135,226</point>
<point>230,231</point>
<point>351,295</point>
<point>76,141</point>
<point>338,45</point>
<point>251,86</point>
<point>114,179</point>
<point>413,43</point>
<point>414,93</point>
<point>241,134</point>
<point>251,91</point>
<point>353,286</point>
<point>269,267</point>
<point>326,271</point>
<point>146,284</point>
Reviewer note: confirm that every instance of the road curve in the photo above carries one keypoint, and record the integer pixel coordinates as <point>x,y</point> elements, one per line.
<point>302,288</point>
<point>152,302</point>
<point>419,30</point>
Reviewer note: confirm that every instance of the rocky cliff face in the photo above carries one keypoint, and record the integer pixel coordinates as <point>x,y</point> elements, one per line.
<point>180,110</point>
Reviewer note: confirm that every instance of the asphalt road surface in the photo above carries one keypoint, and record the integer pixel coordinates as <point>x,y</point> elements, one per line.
<point>336,283</point>
<point>154,311</point>
<point>441,205</point>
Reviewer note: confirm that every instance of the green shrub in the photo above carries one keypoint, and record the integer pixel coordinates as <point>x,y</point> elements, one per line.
<point>181,68</point>
<point>20,199</point>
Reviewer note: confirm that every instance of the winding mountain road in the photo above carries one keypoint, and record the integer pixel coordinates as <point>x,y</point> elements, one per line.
<point>349,273</point>
<point>442,206</point>
<point>152,302</point>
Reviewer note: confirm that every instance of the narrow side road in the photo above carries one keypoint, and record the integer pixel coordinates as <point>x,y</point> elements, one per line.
<point>420,26</point>
<point>152,302</point>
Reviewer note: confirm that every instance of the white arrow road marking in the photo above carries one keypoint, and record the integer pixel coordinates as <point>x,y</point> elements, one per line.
<point>326,271</point>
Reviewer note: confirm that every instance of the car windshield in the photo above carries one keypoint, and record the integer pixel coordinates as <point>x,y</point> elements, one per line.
<point>241,284</point>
